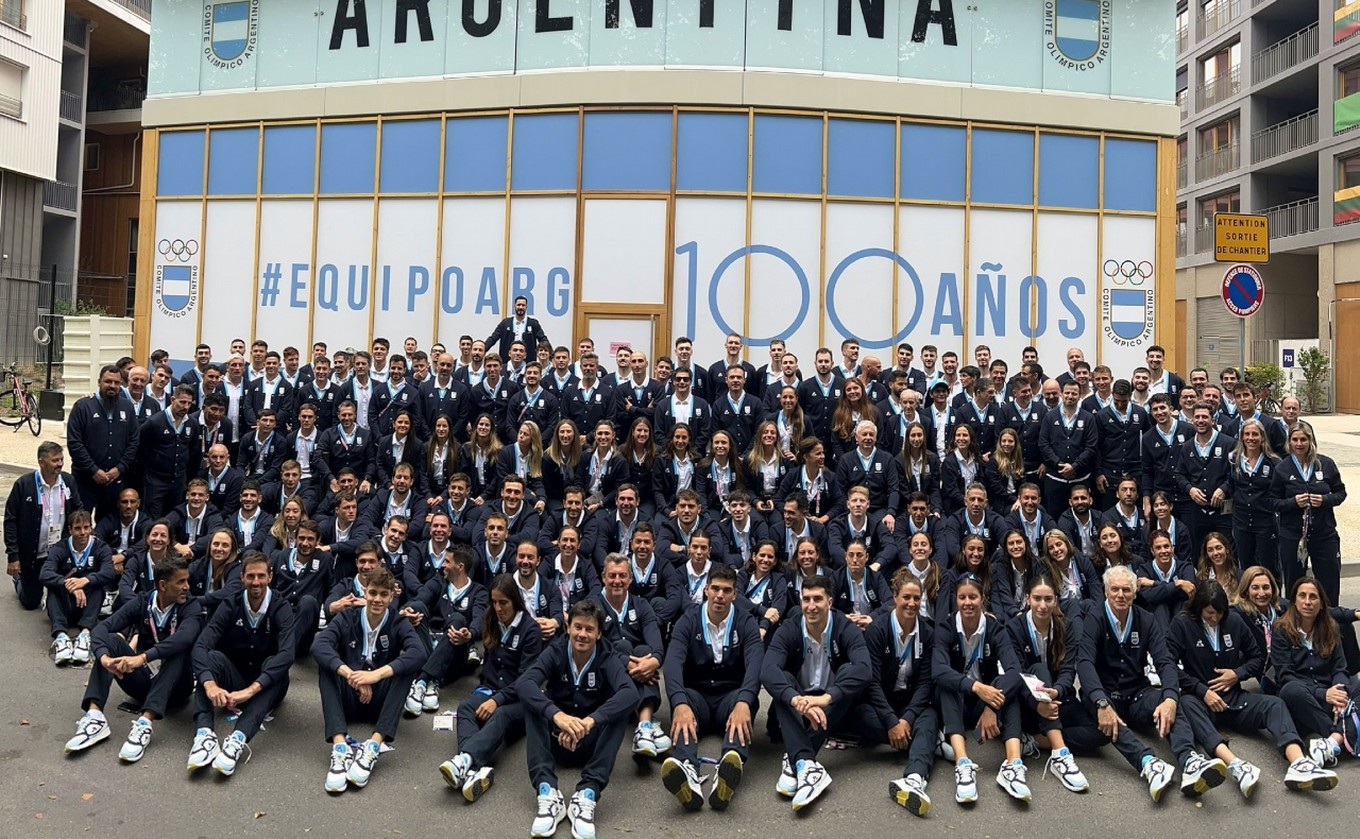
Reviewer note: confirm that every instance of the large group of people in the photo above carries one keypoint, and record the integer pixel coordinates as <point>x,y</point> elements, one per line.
<point>910,556</point>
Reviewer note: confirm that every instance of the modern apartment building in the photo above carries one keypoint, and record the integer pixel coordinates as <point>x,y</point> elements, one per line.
<point>1269,92</point>
<point>69,118</point>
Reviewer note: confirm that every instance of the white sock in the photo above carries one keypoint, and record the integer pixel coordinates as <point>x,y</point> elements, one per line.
<point>95,713</point>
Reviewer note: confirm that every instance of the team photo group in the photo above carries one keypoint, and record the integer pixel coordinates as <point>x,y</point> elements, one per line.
<point>606,553</point>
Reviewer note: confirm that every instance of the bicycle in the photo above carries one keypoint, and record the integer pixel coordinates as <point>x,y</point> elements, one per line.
<point>22,406</point>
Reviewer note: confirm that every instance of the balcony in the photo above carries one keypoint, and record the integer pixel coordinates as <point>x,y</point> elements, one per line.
<point>1285,137</point>
<point>74,30</point>
<point>1183,99</point>
<point>12,14</point>
<point>1220,88</point>
<point>1182,39</point>
<point>1293,218</point>
<point>1204,236</point>
<point>1282,55</point>
<point>1218,162</point>
<point>141,8</point>
<point>59,195</point>
<point>125,96</point>
<point>1182,174</point>
<point>1181,242</point>
<point>1216,16</point>
<point>71,108</point>
<point>11,107</point>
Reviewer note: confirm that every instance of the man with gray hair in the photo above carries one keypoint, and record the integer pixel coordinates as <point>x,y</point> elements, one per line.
<point>39,504</point>
<point>1117,638</point>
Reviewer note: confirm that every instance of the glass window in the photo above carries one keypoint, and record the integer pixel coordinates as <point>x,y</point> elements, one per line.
<point>1220,135</point>
<point>1350,80</point>
<point>1350,171</point>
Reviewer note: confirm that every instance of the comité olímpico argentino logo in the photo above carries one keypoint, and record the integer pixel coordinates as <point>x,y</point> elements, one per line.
<point>230,32</point>
<point>1077,32</point>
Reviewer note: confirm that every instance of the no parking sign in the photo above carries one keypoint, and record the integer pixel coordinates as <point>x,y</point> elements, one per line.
<point>1243,290</point>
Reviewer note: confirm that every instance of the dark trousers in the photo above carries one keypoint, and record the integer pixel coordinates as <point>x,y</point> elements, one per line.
<point>228,677</point>
<point>160,494</point>
<point>171,687</point>
<point>863,723</point>
<point>480,739</point>
<point>1030,721</point>
<point>1057,493</point>
<point>1201,520</point>
<point>28,586</point>
<point>1081,732</point>
<point>1324,561</point>
<point>1257,548</point>
<point>340,704</point>
<point>64,614</point>
<point>1311,717</point>
<point>801,742</point>
<point>710,717</point>
<point>304,628</point>
<point>101,500</point>
<point>595,754</point>
<point>448,662</point>
<point>1248,713</point>
<point>960,712</point>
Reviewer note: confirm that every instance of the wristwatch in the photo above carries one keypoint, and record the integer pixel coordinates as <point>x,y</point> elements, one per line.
<point>1102,704</point>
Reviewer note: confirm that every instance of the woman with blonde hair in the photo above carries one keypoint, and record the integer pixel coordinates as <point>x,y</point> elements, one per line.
<point>1252,465</point>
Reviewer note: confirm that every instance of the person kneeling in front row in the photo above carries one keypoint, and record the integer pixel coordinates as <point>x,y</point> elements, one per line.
<point>578,699</point>
<point>164,626</point>
<point>366,659</point>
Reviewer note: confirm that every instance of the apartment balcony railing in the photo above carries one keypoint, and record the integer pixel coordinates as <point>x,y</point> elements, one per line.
<point>73,31</point>
<point>1182,39</point>
<point>1204,236</point>
<point>1293,218</point>
<point>124,97</point>
<point>71,109</point>
<point>59,195</point>
<point>1221,87</point>
<point>1182,174</point>
<point>1181,243</point>
<point>1217,15</point>
<point>1220,161</point>
<point>141,8</point>
<point>1284,137</point>
<point>11,107</point>
<point>1183,99</point>
<point>1282,55</point>
<point>12,14</point>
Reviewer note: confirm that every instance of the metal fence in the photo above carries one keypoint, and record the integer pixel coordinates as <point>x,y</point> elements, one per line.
<point>25,304</point>
<point>141,8</point>
<point>71,108</point>
<point>1284,137</point>
<point>1216,15</point>
<point>74,30</point>
<point>11,107</point>
<point>1293,218</point>
<point>1220,161</point>
<point>1220,87</point>
<point>1282,55</point>
<point>125,96</point>
<point>59,195</point>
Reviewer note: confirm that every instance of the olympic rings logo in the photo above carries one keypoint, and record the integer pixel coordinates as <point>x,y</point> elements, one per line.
<point>1127,272</point>
<point>177,250</point>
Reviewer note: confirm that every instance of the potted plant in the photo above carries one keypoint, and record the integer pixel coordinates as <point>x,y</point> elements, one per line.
<point>1316,367</point>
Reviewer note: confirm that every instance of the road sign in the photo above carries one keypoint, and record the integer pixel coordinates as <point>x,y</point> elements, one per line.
<point>1243,290</point>
<point>1241,237</point>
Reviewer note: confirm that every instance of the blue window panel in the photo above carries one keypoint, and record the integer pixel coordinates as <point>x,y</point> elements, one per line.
<point>233,161</point>
<point>410,156</point>
<point>1069,171</point>
<point>1003,167</point>
<point>348,154</point>
<point>712,153</point>
<point>289,160</point>
<point>627,151</point>
<point>860,158</point>
<point>934,162</point>
<point>788,155</point>
<point>180,168</point>
<point>1130,175</point>
<point>474,154</point>
<point>545,152</point>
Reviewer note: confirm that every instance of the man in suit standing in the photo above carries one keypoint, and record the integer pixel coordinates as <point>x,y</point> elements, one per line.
<point>35,519</point>
<point>521,327</point>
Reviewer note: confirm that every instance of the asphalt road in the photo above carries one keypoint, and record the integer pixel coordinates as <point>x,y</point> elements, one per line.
<point>279,792</point>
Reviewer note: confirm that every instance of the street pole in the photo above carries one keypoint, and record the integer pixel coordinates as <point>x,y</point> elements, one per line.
<point>51,323</point>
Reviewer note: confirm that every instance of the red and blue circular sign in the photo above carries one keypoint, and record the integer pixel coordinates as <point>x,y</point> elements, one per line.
<point>1243,290</point>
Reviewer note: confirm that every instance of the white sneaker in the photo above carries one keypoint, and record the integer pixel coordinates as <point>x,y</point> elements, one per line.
<point>477,783</point>
<point>1011,778</point>
<point>1153,676</point>
<point>682,781</point>
<point>726,780</point>
<point>430,700</point>
<point>644,743</point>
<point>230,753</point>
<point>62,651</point>
<point>81,653</point>
<point>455,770</point>
<point>106,608</point>
<point>415,699</point>
<point>787,784</point>
<point>1064,767</point>
<point>337,775</point>
<point>89,730</point>
<point>965,781</point>
<point>582,813</point>
<point>137,741</point>
<point>812,782</point>
<point>1304,774</point>
<point>910,792</point>
<point>204,750</point>
<point>1202,774</point>
<point>1246,775</point>
<point>1159,774</point>
<point>362,766</point>
<point>943,748</point>
<point>1321,750</point>
<point>551,811</point>
<point>660,739</point>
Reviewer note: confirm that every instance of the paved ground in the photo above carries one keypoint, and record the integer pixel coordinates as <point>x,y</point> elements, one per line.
<point>278,793</point>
